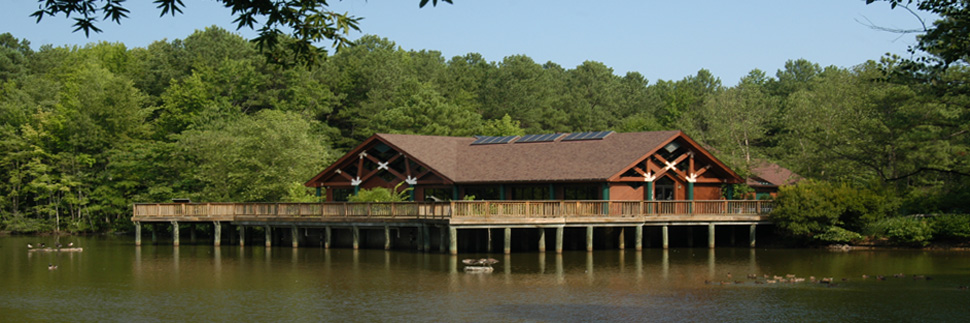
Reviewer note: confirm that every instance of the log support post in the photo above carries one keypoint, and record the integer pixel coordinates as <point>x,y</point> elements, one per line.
<point>154,234</point>
<point>508,241</point>
<point>751,235</point>
<point>269,236</point>
<point>356,233</point>
<point>452,240</point>
<point>217,233</point>
<point>175,233</point>
<point>622,243</point>
<point>387,237</point>
<point>295,236</point>
<point>488,246</point>
<point>710,235</point>
<point>664,237</point>
<point>589,238</point>
<point>542,239</point>
<point>427,238</point>
<point>559,232</point>
<point>326,240</point>
<point>242,235</point>
<point>137,233</point>
<point>639,237</point>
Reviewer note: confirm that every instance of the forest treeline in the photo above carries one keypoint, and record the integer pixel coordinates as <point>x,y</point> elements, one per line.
<point>87,131</point>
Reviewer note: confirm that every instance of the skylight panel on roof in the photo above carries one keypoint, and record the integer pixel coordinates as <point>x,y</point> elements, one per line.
<point>549,137</point>
<point>487,140</point>
<point>594,135</point>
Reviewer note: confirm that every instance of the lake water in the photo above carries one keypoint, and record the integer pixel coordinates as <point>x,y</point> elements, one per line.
<point>113,280</point>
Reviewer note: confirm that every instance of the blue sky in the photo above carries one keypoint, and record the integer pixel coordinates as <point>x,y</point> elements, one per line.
<point>660,39</point>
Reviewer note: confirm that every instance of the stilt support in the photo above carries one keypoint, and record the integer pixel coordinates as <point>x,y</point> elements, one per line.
<point>217,234</point>
<point>751,234</point>
<point>295,237</point>
<point>137,233</point>
<point>356,237</point>
<point>387,237</point>
<point>639,237</point>
<point>175,233</point>
<point>442,237</point>
<point>328,238</point>
<point>559,232</point>
<point>427,238</point>
<point>710,235</point>
<point>452,240</point>
<point>242,235</point>
<point>508,241</point>
<point>622,243</point>
<point>664,234</point>
<point>589,238</point>
<point>269,236</point>
<point>542,239</point>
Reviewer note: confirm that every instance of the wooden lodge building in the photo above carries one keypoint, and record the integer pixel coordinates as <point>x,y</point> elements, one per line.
<point>659,165</point>
<point>605,188</point>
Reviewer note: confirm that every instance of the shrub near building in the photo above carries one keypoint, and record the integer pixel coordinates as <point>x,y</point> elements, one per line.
<point>818,210</point>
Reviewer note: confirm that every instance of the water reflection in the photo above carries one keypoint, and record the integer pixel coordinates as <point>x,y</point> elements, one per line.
<point>114,281</point>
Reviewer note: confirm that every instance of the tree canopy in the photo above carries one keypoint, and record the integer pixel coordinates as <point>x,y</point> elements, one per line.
<point>86,131</point>
<point>307,21</point>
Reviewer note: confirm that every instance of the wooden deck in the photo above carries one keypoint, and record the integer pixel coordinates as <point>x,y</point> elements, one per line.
<point>419,219</point>
<point>461,213</point>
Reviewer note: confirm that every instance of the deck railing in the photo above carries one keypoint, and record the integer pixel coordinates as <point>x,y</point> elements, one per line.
<point>456,209</point>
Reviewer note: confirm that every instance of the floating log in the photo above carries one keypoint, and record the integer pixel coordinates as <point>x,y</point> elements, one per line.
<point>79,249</point>
<point>479,269</point>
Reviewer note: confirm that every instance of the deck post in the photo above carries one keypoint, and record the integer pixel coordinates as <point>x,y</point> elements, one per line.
<point>622,242</point>
<point>420,237</point>
<point>175,233</point>
<point>639,237</point>
<point>137,233</point>
<point>295,236</point>
<point>442,237</point>
<point>488,247</point>
<point>542,239</point>
<point>452,240</point>
<point>559,231</point>
<point>664,234</point>
<point>751,234</point>
<point>427,238</point>
<point>326,240</point>
<point>242,235</point>
<point>154,234</point>
<point>690,237</point>
<point>387,237</point>
<point>217,233</point>
<point>589,238</point>
<point>710,235</point>
<point>269,236</point>
<point>508,241</point>
<point>356,232</point>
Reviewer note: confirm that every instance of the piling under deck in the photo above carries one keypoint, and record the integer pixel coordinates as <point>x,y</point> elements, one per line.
<point>463,225</point>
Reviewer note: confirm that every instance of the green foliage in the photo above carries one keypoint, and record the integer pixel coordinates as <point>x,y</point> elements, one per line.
<point>951,226</point>
<point>812,207</point>
<point>836,234</point>
<point>381,194</point>
<point>903,229</point>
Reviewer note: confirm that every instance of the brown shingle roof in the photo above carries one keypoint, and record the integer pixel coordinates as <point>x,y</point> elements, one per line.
<point>587,160</point>
<point>771,173</point>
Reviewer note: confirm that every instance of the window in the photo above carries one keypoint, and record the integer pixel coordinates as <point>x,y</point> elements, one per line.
<point>581,192</point>
<point>530,193</point>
